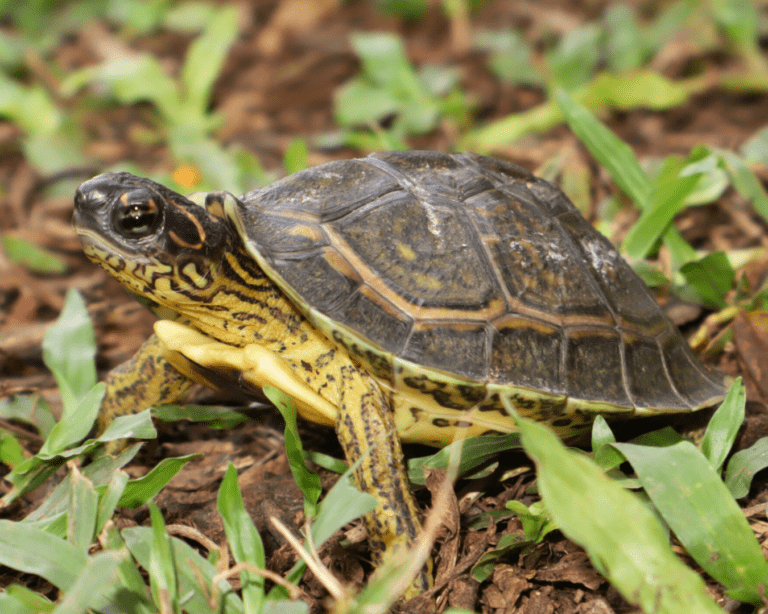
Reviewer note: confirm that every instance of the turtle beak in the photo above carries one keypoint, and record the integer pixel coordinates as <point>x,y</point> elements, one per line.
<point>91,206</point>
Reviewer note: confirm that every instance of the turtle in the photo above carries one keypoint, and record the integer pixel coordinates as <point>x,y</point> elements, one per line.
<point>408,296</point>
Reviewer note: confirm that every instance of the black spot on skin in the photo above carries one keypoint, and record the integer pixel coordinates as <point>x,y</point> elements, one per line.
<point>306,366</point>
<point>471,394</point>
<point>491,404</point>
<point>521,402</point>
<point>562,422</point>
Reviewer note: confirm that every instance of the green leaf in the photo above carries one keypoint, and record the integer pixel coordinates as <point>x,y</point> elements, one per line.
<point>205,59</point>
<point>408,10</point>
<point>29,107</point>
<point>389,85</point>
<point>75,425</point>
<point>623,539</point>
<point>640,89</point>
<point>11,452</point>
<point>31,256</point>
<point>28,476</point>
<point>667,199</point>
<point>306,479</point>
<point>756,147</point>
<point>343,504</point>
<point>695,504</point>
<point>679,248</point>
<point>30,409</point>
<point>130,79</point>
<point>507,130</point>
<point>709,279</point>
<point>189,17</point>
<point>669,22</point>
<point>213,417</point>
<point>194,567</point>
<point>133,595</point>
<point>475,451</point>
<point>625,46</point>
<point>724,426</point>
<point>536,520</point>
<point>130,426</point>
<point>162,563</point>
<point>610,151</point>
<point>219,166</point>
<point>137,16</point>
<point>31,550</point>
<point>140,491</point>
<point>384,60</point>
<point>286,607</point>
<point>32,601</point>
<point>57,152</point>
<point>69,349</point>
<point>99,472</point>
<point>509,57</point>
<point>744,465</point>
<point>360,104</point>
<point>485,565</point>
<point>745,182</point>
<point>81,516</point>
<point>574,60</point>
<point>336,465</point>
<point>739,19</point>
<point>295,157</point>
<point>243,538</point>
<point>97,581</point>
<point>111,497</point>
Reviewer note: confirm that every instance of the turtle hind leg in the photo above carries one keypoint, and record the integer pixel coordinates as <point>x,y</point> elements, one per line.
<point>367,433</point>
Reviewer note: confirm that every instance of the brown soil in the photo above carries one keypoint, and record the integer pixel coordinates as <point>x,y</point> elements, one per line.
<point>278,84</point>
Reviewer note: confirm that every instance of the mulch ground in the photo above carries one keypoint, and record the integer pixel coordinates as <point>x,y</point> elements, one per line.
<point>279,83</point>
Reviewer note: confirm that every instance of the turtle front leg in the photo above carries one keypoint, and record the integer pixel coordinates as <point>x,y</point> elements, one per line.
<point>362,415</point>
<point>144,380</point>
<point>367,432</point>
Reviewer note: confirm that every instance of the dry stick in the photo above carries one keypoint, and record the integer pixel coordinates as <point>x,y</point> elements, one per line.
<point>326,578</point>
<point>295,591</point>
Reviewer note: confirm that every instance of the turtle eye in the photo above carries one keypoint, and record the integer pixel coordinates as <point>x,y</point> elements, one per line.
<point>136,219</point>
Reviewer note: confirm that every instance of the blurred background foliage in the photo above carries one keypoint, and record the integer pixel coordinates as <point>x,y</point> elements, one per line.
<point>668,102</point>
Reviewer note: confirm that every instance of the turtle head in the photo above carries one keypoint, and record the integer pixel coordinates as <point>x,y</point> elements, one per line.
<point>141,232</point>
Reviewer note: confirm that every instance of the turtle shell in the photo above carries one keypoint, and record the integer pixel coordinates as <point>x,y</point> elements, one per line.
<point>466,279</point>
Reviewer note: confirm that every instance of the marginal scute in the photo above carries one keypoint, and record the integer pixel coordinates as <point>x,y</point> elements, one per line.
<point>528,352</point>
<point>590,356</point>
<point>449,346</point>
<point>649,384</point>
<point>688,375</point>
